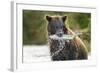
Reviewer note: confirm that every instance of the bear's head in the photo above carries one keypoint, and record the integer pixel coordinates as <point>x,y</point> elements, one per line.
<point>56,25</point>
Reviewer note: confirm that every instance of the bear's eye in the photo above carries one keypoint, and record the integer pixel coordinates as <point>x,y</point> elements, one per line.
<point>62,26</point>
<point>56,26</point>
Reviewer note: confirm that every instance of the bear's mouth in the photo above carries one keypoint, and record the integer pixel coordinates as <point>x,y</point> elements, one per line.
<point>63,37</point>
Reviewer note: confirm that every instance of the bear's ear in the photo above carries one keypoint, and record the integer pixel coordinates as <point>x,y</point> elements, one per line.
<point>64,18</point>
<point>48,18</point>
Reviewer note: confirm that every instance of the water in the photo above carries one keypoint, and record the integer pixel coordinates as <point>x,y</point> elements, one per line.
<point>35,53</point>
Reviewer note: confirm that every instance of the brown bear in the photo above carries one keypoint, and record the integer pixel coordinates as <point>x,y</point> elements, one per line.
<point>71,50</point>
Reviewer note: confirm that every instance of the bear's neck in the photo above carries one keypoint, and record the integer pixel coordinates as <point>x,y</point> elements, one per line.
<point>65,30</point>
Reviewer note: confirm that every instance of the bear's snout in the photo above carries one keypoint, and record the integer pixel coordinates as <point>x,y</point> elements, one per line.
<point>59,33</point>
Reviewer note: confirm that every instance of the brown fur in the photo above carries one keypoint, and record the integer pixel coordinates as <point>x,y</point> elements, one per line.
<point>73,50</point>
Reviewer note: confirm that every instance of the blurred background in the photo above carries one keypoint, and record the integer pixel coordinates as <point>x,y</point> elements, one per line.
<point>35,26</point>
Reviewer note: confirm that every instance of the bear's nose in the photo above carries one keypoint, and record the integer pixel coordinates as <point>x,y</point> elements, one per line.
<point>59,33</point>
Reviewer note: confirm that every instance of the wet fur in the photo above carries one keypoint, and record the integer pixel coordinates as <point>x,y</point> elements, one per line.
<point>73,50</point>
